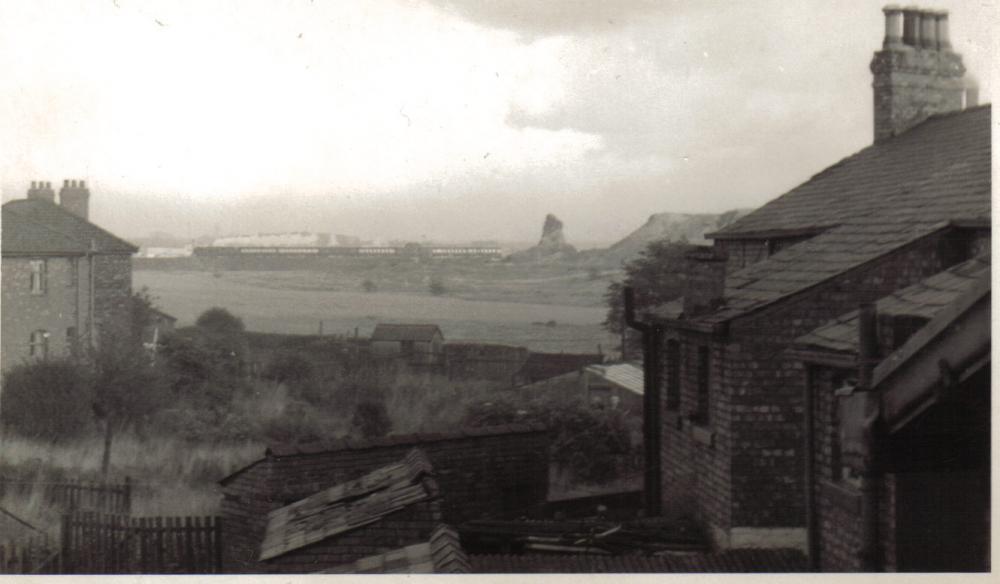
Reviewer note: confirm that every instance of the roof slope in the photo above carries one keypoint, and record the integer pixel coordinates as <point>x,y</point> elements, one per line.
<point>405,332</point>
<point>625,375</point>
<point>441,554</point>
<point>914,172</point>
<point>925,299</point>
<point>347,506</point>
<point>37,226</point>
<point>886,196</point>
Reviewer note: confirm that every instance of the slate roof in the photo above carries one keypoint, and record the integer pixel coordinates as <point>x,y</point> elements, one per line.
<point>626,375</point>
<point>731,561</point>
<point>343,444</point>
<point>34,226</point>
<point>882,198</point>
<point>938,170</point>
<point>925,299</point>
<point>405,332</point>
<point>347,506</point>
<point>441,554</point>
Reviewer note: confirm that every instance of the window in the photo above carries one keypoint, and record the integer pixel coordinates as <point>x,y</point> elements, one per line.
<point>74,272</point>
<point>673,375</point>
<point>38,276</point>
<point>704,366</point>
<point>39,346</point>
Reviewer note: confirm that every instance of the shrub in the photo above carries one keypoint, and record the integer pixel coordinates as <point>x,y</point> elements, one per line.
<point>48,400</point>
<point>369,286</point>
<point>437,286</point>
<point>370,420</point>
<point>289,367</point>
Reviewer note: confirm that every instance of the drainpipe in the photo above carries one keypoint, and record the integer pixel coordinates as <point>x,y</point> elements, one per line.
<point>651,425</point>
<point>869,472</point>
<point>812,537</point>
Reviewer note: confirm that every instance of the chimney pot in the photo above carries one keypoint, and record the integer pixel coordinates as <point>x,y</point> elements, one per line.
<point>941,26</point>
<point>33,185</point>
<point>893,26</point>
<point>911,26</point>
<point>65,183</point>
<point>83,184</point>
<point>928,29</point>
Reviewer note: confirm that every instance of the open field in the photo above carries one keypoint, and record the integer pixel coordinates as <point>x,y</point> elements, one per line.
<point>296,302</point>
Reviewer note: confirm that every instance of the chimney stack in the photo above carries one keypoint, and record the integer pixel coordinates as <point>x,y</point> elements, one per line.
<point>42,190</point>
<point>916,74</point>
<point>705,282</point>
<point>75,198</point>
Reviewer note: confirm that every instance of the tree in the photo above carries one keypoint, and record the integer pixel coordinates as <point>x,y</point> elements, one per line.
<point>220,321</point>
<point>656,276</point>
<point>127,388</point>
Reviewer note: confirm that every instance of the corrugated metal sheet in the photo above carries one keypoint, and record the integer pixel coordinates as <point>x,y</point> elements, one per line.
<point>347,506</point>
<point>624,375</point>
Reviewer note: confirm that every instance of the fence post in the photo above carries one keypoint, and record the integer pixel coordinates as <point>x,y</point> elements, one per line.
<point>128,495</point>
<point>218,544</point>
<point>65,542</point>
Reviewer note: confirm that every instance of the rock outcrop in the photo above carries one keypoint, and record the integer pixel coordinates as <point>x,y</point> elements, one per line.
<point>551,245</point>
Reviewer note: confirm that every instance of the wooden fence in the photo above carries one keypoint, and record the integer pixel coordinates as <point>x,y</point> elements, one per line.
<point>92,543</point>
<point>75,495</point>
<point>35,555</point>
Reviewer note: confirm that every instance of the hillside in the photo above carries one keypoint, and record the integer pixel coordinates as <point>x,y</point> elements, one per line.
<point>672,226</point>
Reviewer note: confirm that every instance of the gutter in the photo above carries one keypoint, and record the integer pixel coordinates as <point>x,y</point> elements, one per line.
<point>652,427</point>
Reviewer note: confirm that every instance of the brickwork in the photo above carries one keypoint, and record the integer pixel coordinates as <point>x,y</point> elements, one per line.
<point>112,291</point>
<point>913,84</point>
<point>485,475</point>
<point>408,526</point>
<point>745,468</point>
<point>63,305</point>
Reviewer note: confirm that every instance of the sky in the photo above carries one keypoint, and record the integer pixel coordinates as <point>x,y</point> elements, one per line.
<point>438,119</point>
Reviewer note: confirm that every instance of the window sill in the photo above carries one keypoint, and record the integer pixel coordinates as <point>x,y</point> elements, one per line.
<point>842,496</point>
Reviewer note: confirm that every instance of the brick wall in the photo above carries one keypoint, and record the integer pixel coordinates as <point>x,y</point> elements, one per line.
<point>741,253</point>
<point>64,304</point>
<point>408,526</point>
<point>745,469</point>
<point>112,290</point>
<point>483,475</point>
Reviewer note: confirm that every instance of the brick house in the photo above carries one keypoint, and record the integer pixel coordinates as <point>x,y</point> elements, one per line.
<point>931,342</point>
<point>497,472</point>
<point>911,205</point>
<point>65,280</point>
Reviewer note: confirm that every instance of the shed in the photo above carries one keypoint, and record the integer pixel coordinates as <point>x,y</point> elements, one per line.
<point>615,385</point>
<point>420,344</point>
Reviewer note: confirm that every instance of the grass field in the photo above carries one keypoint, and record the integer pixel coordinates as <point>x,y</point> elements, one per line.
<point>296,302</point>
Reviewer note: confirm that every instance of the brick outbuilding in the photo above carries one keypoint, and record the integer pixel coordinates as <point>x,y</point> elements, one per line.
<point>911,205</point>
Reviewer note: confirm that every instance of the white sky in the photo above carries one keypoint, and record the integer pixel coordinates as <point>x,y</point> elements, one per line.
<point>441,119</point>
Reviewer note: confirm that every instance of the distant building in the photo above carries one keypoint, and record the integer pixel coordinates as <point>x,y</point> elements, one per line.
<point>66,281</point>
<point>417,344</point>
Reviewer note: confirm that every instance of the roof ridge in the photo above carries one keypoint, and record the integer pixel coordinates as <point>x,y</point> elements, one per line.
<point>74,217</point>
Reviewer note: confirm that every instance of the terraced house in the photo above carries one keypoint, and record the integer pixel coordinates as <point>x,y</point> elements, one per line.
<point>913,204</point>
<point>65,280</point>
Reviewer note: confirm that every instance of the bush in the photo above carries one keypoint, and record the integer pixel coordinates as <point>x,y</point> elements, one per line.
<point>437,286</point>
<point>370,420</point>
<point>594,444</point>
<point>369,286</point>
<point>48,400</point>
<point>288,367</point>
